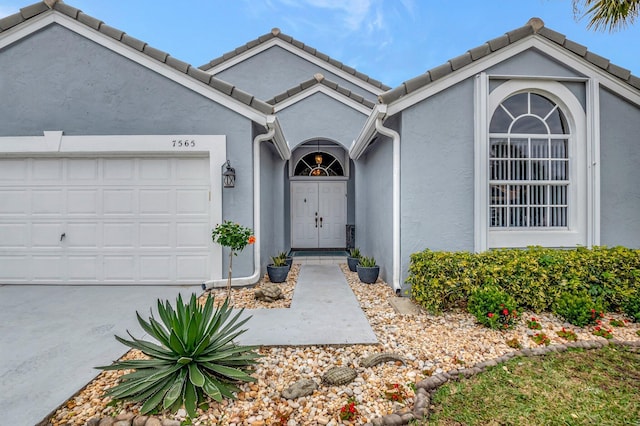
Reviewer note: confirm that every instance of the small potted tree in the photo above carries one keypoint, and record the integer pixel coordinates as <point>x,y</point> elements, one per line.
<point>278,269</point>
<point>368,271</point>
<point>287,259</point>
<point>353,259</point>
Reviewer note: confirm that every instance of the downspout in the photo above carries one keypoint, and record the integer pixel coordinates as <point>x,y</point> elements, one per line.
<point>253,278</point>
<point>396,199</point>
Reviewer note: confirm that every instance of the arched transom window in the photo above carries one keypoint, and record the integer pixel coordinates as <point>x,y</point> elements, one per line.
<point>318,164</point>
<point>528,164</point>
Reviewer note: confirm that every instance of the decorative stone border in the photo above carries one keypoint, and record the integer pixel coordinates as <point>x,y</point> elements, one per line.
<point>429,385</point>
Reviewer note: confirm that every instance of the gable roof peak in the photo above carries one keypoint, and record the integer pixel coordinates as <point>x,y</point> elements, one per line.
<point>276,33</point>
<point>51,3</point>
<point>536,24</point>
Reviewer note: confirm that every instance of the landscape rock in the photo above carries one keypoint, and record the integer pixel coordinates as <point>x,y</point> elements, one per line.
<point>304,387</point>
<point>269,293</point>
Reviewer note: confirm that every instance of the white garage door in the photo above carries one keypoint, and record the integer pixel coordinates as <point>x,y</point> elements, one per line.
<point>116,220</point>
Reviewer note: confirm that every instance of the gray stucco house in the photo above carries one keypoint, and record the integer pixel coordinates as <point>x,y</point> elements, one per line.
<point>112,153</point>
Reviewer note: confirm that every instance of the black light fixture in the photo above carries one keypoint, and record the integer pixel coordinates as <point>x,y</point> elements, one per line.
<point>228,176</point>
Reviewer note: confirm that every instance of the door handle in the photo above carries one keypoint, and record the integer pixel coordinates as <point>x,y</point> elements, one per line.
<point>321,222</point>
<point>62,236</point>
<point>316,222</point>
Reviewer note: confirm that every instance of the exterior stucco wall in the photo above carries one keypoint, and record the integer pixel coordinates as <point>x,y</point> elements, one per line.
<point>277,70</point>
<point>532,62</point>
<point>320,116</point>
<point>437,181</point>
<point>374,204</point>
<point>272,204</point>
<point>56,79</point>
<point>619,171</point>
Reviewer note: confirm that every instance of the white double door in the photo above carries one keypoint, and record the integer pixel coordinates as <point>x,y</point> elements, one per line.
<point>318,214</point>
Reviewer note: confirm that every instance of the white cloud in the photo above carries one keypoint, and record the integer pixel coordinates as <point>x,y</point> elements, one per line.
<point>352,13</point>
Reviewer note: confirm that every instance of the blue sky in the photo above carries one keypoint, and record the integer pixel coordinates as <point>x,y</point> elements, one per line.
<point>390,40</point>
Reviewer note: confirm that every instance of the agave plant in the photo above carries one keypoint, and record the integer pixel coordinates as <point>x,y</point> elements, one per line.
<point>196,356</point>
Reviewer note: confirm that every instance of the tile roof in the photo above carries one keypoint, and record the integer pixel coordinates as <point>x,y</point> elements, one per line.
<point>535,26</point>
<point>41,7</point>
<point>276,33</point>
<point>319,79</point>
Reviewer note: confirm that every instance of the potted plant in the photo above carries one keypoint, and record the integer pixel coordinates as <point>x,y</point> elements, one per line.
<point>287,259</point>
<point>278,270</point>
<point>353,259</point>
<point>368,271</point>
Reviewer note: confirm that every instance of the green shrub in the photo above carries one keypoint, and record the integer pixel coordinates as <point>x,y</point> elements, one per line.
<point>631,307</point>
<point>195,356</point>
<point>536,276</point>
<point>578,308</point>
<point>493,308</point>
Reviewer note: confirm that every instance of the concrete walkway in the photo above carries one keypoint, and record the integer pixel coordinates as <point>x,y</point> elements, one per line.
<point>324,311</point>
<point>52,337</point>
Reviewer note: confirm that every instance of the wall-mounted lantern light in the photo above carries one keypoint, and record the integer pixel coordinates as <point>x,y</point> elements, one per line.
<point>228,176</point>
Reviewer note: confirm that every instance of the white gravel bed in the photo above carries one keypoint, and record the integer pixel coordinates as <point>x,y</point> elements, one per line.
<point>430,344</point>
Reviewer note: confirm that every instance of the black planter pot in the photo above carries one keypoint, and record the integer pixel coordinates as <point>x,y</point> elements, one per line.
<point>289,261</point>
<point>278,274</point>
<point>368,275</point>
<point>353,262</point>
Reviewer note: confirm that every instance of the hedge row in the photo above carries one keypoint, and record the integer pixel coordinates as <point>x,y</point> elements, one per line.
<point>535,277</point>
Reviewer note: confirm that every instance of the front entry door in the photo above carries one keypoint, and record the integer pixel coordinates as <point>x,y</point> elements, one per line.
<point>318,214</point>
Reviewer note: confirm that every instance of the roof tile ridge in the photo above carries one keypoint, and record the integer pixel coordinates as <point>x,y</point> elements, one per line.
<point>276,33</point>
<point>319,79</point>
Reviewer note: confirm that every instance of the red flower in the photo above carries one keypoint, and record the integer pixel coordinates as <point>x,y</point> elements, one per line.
<point>597,328</point>
<point>505,311</point>
<point>490,314</point>
<point>533,319</point>
<point>252,239</point>
<point>601,314</point>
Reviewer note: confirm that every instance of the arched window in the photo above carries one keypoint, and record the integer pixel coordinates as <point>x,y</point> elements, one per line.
<point>532,180</point>
<point>318,164</point>
<point>529,172</point>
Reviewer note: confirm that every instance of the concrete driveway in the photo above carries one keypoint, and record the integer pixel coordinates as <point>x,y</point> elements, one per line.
<point>52,336</point>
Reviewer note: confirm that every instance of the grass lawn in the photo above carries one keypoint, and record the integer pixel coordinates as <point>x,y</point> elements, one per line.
<point>576,387</point>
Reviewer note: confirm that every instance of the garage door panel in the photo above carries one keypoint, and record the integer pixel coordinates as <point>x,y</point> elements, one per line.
<point>14,235</point>
<point>46,234</point>
<point>46,171</point>
<point>13,170</point>
<point>83,268</point>
<point>155,235</point>
<point>155,170</point>
<point>86,235</point>
<point>119,201</point>
<point>14,202</point>
<point>192,235</point>
<point>47,202</point>
<point>155,201</point>
<point>47,268</point>
<point>192,201</point>
<point>119,268</point>
<point>190,169</point>
<point>82,202</point>
<point>82,170</point>
<point>191,267</point>
<point>156,268</point>
<point>119,235</point>
<point>117,170</point>
<point>14,267</point>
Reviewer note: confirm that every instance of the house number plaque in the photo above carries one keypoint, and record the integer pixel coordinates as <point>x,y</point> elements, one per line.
<point>184,143</point>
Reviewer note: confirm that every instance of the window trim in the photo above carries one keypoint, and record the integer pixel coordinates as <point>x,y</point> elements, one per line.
<point>583,226</point>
